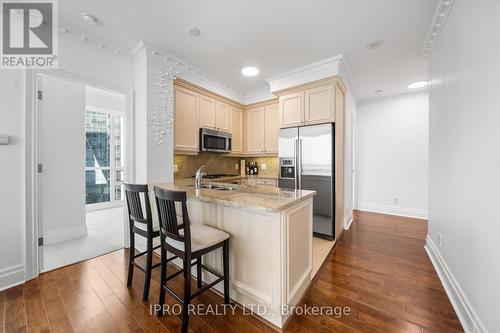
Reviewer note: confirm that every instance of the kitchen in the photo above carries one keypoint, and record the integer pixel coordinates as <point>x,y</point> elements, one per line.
<point>276,160</point>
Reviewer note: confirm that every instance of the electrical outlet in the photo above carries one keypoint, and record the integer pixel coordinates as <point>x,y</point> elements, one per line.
<point>236,166</point>
<point>176,167</point>
<point>440,240</point>
<point>263,166</point>
<point>395,201</point>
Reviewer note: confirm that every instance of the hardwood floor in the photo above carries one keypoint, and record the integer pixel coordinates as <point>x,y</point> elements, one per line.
<point>379,270</point>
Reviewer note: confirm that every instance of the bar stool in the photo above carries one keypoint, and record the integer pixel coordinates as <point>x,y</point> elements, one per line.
<point>142,226</point>
<point>187,242</point>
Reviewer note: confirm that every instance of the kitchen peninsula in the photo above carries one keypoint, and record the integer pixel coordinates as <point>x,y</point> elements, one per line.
<point>271,240</point>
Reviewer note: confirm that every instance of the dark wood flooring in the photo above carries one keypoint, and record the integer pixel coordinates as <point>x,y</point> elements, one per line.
<point>379,270</point>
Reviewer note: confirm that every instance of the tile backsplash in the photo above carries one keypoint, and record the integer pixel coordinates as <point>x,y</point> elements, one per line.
<point>217,163</point>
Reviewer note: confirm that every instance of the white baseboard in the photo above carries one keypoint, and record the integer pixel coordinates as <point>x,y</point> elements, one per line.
<point>348,220</point>
<point>468,317</point>
<point>393,210</point>
<point>61,235</point>
<point>11,276</point>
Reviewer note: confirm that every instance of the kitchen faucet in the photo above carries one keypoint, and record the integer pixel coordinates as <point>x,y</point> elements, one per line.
<point>199,177</point>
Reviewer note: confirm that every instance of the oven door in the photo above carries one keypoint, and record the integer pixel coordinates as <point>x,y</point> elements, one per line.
<point>214,141</point>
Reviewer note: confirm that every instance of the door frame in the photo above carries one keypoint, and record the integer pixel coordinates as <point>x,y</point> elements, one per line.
<point>32,186</point>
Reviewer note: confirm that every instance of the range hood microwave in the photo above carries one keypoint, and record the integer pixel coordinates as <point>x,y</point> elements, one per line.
<point>215,141</point>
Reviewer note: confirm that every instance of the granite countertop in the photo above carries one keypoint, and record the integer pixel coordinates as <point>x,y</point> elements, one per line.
<point>268,198</point>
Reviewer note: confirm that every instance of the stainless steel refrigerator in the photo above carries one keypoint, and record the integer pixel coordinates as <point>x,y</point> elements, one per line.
<point>307,161</point>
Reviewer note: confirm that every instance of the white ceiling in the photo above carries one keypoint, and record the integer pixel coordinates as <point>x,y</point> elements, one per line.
<point>274,35</point>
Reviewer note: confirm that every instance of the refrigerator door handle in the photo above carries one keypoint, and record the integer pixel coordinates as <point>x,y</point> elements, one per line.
<point>300,164</point>
<point>296,151</point>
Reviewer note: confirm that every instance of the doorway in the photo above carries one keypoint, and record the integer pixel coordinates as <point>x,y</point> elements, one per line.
<point>82,164</point>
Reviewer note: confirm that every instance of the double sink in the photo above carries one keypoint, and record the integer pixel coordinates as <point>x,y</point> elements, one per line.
<point>219,187</point>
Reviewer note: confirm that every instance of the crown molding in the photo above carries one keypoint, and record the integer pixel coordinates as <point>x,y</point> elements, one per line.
<point>309,73</point>
<point>441,15</point>
<point>345,74</point>
<point>259,95</point>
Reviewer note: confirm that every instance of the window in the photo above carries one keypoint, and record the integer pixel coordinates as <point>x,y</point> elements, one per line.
<point>104,169</point>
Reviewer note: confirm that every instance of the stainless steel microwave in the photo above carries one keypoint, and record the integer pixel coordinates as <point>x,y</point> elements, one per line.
<point>215,141</point>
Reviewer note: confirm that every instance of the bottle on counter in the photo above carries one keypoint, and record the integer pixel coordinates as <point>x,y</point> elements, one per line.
<point>256,169</point>
<point>248,169</point>
<point>251,169</point>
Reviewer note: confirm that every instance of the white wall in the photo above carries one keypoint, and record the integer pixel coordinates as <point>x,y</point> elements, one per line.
<point>100,98</point>
<point>154,162</point>
<point>465,159</point>
<point>74,57</point>
<point>392,143</point>
<point>12,177</point>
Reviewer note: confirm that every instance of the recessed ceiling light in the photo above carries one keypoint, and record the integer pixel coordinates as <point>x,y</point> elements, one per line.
<point>193,31</point>
<point>375,44</point>
<point>89,19</point>
<point>418,84</point>
<point>250,71</point>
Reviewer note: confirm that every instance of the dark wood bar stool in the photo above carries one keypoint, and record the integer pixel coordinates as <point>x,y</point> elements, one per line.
<point>187,242</point>
<point>141,223</point>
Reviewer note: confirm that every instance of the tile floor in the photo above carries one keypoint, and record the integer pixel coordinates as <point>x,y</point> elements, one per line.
<point>105,234</point>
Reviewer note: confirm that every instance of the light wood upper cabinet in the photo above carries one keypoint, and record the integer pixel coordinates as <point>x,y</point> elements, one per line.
<point>255,120</point>
<point>237,130</point>
<point>271,128</point>
<point>223,116</point>
<point>207,112</point>
<point>291,110</point>
<point>320,105</point>
<point>186,123</point>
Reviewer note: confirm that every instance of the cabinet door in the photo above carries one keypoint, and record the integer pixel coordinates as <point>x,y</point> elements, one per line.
<point>255,119</point>
<point>271,128</point>
<point>207,112</point>
<point>223,118</point>
<point>320,105</point>
<point>237,130</point>
<point>291,110</point>
<point>186,121</point>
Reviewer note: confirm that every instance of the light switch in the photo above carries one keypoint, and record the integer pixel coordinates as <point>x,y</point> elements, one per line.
<point>236,166</point>
<point>263,166</point>
<point>176,167</point>
<point>4,139</point>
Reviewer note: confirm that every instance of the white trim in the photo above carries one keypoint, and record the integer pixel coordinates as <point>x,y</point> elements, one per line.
<point>104,205</point>
<point>11,276</point>
<point>61,235</point>
<point>468,317</point>
<point>348,220</point>
<point>305,74</point>
<point>31,177</point>
<point>393,210</point>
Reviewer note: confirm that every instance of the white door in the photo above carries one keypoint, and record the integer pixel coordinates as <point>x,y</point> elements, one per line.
<point>61,150</point>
